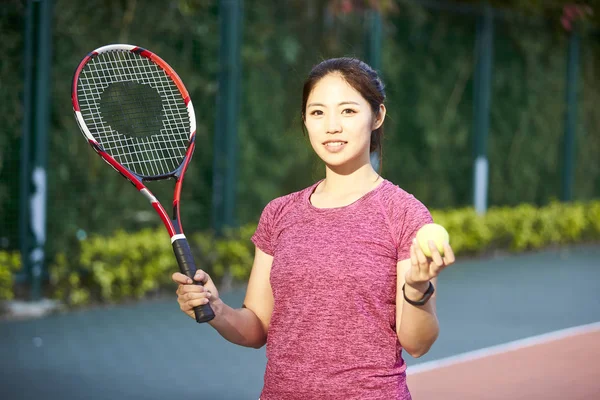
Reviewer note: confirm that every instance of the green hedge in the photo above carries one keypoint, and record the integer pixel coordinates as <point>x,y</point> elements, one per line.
<point>521,228</point>
<point>140,264</point>
<point>113,269</point>
<point>10,262</point>
<point>137,265</point>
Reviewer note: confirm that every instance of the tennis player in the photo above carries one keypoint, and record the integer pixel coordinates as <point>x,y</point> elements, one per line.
<point>339,288</point>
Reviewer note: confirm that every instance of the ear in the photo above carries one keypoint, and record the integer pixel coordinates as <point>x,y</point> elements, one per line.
<point>379,117</point>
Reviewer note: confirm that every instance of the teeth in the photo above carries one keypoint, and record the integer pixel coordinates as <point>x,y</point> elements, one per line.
<point>334,144</point>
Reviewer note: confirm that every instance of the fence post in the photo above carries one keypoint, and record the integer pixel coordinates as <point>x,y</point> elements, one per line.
<point>39,179</point>
<point>570,117</point>
<point>34,143</point>
<point>373,38</point>
<point>484,52</point>
<point>25,162</point>
<point>225,139</point>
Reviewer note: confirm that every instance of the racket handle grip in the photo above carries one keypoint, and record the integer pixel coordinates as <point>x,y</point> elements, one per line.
<point>187,266</point>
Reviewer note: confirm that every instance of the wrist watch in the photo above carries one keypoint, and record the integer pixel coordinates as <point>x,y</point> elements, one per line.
<point>424,299</point>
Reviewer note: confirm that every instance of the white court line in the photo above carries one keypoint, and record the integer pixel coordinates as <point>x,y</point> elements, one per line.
<point>502,348</point>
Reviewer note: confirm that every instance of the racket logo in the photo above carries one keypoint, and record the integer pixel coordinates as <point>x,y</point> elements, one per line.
<point>132,109</point>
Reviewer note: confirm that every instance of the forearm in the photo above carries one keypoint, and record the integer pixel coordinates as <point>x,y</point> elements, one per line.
<point>419,327</point>
<point>239,326</point>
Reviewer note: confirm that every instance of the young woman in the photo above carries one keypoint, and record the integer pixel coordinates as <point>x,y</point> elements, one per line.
<point>338,287</point>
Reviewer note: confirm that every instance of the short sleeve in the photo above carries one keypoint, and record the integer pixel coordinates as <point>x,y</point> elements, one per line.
<point>263,236</point>
<point>415,216</point>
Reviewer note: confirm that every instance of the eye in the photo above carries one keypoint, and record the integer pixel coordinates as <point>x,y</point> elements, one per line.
<point>349,111</point>
<point>316,112</point>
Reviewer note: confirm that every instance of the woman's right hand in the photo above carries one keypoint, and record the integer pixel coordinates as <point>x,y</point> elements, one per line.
<point>190,295</point>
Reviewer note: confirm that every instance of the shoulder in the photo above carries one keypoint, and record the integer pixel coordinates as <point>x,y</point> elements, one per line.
<point>406,215</point>
<point>283,204</point>
<point>273,219</point>
<point>396,199</point>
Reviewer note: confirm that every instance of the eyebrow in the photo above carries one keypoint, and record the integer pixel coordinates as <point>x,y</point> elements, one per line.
<point>340,104</point>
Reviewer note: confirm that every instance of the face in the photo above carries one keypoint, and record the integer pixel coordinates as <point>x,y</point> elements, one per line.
<point>339,122</point>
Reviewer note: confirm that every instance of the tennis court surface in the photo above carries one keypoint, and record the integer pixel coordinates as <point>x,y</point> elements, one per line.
<point>512,327</point>
<point>559,365</point>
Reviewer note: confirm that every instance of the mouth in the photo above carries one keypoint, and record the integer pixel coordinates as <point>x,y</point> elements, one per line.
<point>334,146</point>
<point>334,143</point>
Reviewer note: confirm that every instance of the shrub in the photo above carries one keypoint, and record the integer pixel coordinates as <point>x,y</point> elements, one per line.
<point>114,268</point>
<point>10,262</point>
<point>139,264</point>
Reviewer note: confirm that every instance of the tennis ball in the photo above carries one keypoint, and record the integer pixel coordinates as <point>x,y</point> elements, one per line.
<point>434,232</point>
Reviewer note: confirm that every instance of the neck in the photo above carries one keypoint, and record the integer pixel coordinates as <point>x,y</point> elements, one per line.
<point>338,180</point>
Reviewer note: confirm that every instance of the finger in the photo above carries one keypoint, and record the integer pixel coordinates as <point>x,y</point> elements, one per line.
<point>185,289</point>
<point>180,278</point>
<point>435,254</point>
<point>201,277</point>
<point>434,269</point>
<point>189,298</point>
<point>448,254</point>
<point>413,254</point>
<point>421,257</point>
<point>193,296</point>
<point>197,302</point>
<point>187,306</point>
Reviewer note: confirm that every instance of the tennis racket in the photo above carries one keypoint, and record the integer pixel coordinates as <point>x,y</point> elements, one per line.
<point>135,112</point>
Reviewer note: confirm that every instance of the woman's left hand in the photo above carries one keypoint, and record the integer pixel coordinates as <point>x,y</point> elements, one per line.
<point>422,268</point>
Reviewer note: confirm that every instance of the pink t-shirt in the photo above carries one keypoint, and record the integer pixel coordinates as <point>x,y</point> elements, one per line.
<point>332,332</point>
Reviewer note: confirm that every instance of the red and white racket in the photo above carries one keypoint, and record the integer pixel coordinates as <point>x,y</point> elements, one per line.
<point>135,112</point>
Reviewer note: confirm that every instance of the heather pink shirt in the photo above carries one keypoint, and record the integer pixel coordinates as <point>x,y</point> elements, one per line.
<point>332,332</point>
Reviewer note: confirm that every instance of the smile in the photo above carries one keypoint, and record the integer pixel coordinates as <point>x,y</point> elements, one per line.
<point>335,146</point>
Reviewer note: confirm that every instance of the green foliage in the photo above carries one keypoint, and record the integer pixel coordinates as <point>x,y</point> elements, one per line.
<point>468,231</point>
<point>140,264</point>
<point>520,228</point>
<point>549,10</point>
<point>10,263</point>
<point>11,112</point>
<point>114,268</point>
<point>427,123</point>
<point>428,67</point>
<point>134,265</point>
<point>232,253</point>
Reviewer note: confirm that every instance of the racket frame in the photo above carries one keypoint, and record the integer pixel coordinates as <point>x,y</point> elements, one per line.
<point>172,224</point>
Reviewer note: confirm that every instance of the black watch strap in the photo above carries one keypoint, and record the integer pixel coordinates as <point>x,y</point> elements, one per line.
<point>424,300</point>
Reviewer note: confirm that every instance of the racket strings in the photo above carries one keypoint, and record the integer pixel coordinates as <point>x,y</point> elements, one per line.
<point>135,111</point>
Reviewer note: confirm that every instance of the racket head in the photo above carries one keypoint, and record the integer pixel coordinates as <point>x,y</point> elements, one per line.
<point>134,109</point>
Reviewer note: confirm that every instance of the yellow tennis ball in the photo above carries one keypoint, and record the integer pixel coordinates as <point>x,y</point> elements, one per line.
<point>434,232</point>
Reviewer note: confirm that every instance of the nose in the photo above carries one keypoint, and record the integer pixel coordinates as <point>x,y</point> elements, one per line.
<point>333,124</point>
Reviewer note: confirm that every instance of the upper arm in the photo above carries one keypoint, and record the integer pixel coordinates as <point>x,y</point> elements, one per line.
<point>259,296</point>
<point>401,268</point>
